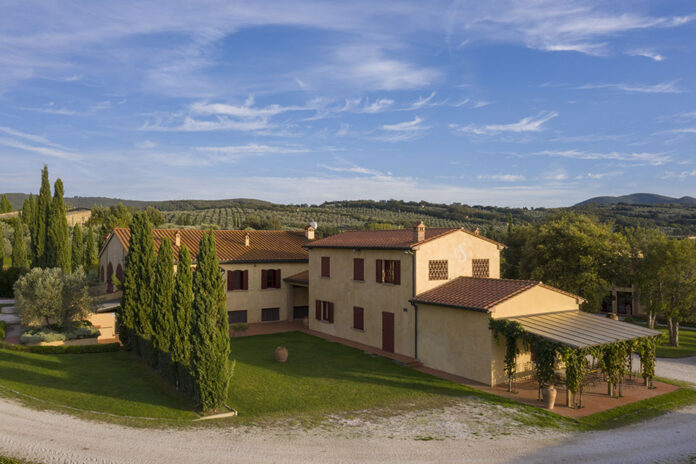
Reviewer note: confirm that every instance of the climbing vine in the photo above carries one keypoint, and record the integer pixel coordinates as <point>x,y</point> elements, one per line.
<point>544,354</point>
<point>614,364</point>
<point>511,331</point>
<point>575,360</point>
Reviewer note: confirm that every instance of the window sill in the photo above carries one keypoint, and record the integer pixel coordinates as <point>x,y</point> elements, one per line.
<point>358,330</point>
<point>361,281</point>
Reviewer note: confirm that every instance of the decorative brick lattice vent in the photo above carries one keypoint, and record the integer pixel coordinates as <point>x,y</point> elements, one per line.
<point>480,268</point>
<point>437,269</point>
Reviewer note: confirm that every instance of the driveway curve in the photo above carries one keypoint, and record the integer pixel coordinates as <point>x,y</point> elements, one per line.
<point>50,437</point>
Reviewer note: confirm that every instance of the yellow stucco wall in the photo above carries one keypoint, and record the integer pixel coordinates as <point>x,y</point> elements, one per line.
<point>255,298</point>
<point>458,248</point>
<point>374,297</point>
<point>78,217</point>
<point>536,300</point>
<point>456,341</point>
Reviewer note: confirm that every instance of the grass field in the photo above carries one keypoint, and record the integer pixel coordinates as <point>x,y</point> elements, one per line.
<point>687,344</point>
<point>320,378</point>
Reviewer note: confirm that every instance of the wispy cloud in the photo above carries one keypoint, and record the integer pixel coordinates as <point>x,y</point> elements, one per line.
<point>678,175</point>
<point>654,159</point>
<point>234,153</point>
<point>351,168</point>
<point>556,174</point>
<point>41,145</point>
<point>663,87</point>
<point>502,177</point>
<point>647,53</point>
<point>402,131</point>
<point>528,124</point>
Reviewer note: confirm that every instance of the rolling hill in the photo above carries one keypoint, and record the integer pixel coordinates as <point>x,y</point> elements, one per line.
<point>639,199</point>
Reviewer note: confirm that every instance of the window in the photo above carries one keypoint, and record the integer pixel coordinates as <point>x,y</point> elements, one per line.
<point>300,312</point>
<point>388,271</point>
<point>358,318</point>
<point>237,317</point>
<point>270,314</point>
<point>437,269</point>
<point>325,266</point>
<point>237,280</point>
<point>270,278</point>
<point>324,311</point>
<point>480,268</point>
<point>358,269</point>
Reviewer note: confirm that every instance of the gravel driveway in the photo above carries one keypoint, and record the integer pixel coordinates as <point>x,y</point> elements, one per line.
<point>50,437</point>
<point>683,369</point>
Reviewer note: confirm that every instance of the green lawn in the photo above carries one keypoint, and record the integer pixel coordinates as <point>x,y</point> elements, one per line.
<point>687,344</point>
<point>113,383</point>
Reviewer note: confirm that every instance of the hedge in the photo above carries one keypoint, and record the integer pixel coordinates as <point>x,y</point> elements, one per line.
<point>72,349</point>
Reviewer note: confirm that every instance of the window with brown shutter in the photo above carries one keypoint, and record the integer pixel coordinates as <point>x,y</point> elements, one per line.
<point>237,280</point>
<point>480,268</point>
<point>270,314</point>
<point>358,269</point>
<point>438,269</point>
<point>358,318</point>
<point>325,266</point>
<point>379,276</point>
<point>324,311</point>
<point>270,278</point>
<point>389,271</point>
<point>317,310</point>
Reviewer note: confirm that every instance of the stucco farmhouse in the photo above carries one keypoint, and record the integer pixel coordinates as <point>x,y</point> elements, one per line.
<point>423,293</point>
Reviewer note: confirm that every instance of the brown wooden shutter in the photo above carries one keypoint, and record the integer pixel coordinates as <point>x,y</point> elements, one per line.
<point>331,312</point>
<point>358,318</point>
<point>325,266</point>
<point>397,272</point>
<point>245,280</point>
<point>277,278</point>
<point>264,279</point>
<point>230,280</point>
<point>358,269</point>
<point>378,267</point>
<point>317,313</point>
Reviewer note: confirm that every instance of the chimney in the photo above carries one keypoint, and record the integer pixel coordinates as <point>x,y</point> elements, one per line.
<point>419,232</point>
<point>246,239</point>
<point>177,239</point>
<point>477,231</point>
<point>309,232</point>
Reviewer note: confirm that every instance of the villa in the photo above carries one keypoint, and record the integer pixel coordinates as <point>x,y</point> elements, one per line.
<point>425,294</point>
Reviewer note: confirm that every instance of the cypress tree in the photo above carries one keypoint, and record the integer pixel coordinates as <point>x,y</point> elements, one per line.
<point>5,205</point>
<point>182,303</point>
<point>28,211</point>
<point>2,251</point>
<point>19,248</point>
<point>77,254</point>
<point>38,232</point>
<point>90,251</point>
<point>57,250</point>
<point>162,316</point>
<point>210,343</point>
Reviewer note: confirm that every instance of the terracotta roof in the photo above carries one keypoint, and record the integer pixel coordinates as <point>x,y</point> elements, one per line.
<point>479,294</point>
<point>300,278</point>
<point>264,245</point>
<point>400,239</point>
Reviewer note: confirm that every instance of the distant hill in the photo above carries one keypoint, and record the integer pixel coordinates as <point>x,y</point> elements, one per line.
<point>640,199</point>
<point>17,200</point>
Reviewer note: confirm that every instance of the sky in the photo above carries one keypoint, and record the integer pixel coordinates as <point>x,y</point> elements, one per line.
<point>510,103</point>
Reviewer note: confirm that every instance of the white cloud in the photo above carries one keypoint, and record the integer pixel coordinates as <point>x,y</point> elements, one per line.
<point>647,53</point>
<point>678,175</point>
<point>502,177</point>
<point>233,153</point>
<point>352,168</point>
<point>402,131</point>
<point>145,145</point>
<point>406,126</point>
<point>663,87</point>
<point>558,174</point>
<point>653,159</point>
<point>45,150</point>
<point>528,124</point>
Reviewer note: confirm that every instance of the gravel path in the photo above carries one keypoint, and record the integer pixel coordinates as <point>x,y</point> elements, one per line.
<point>50,437</point>
<point>683,369</point>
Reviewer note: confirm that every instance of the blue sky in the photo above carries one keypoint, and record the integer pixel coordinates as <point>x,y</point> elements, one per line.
<point>511,103</point>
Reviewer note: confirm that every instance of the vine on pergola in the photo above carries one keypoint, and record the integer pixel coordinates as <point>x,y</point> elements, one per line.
<point>614,358</point>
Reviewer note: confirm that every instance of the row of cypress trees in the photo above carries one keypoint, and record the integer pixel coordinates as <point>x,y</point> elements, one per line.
<point>51,243</point>
<point>177,322</point>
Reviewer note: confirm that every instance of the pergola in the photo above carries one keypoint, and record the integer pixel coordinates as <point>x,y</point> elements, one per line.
<point>576,335</point>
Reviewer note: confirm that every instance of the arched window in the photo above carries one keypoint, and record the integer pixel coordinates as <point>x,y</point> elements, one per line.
<point>109,279</point>
<point>119,273</point>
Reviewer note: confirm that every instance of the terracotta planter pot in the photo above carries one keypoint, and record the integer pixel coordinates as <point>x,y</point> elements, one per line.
<point>281,354</point>
<point>548,394</point>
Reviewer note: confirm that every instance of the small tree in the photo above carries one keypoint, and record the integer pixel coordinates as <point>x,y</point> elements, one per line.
<point>5,205</point>
<point>77,251</point>
<point>210,345</point>
<point>679,277</point>
<point>162,317</point>
<point>38,296</point>
<point>38,231</point>
<point>77,301</point>
<point>90,251</point>
<point>58,235</point>
<point>19,247</point>
<point>182,303</point>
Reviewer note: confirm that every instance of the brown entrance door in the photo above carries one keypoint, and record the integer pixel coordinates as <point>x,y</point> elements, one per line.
<point>388,332</point>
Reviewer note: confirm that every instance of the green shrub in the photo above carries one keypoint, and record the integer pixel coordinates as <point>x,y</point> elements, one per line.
<point>77,349</point>
<point>3,326</point>
<point>239,327</point>
<point>53,333</point>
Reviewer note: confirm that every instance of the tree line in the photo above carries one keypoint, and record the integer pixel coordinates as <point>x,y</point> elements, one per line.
<point>177,321</point>
<point>582,255</point>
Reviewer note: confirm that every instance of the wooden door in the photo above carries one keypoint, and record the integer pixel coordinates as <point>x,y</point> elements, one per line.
<point>388,332</point>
